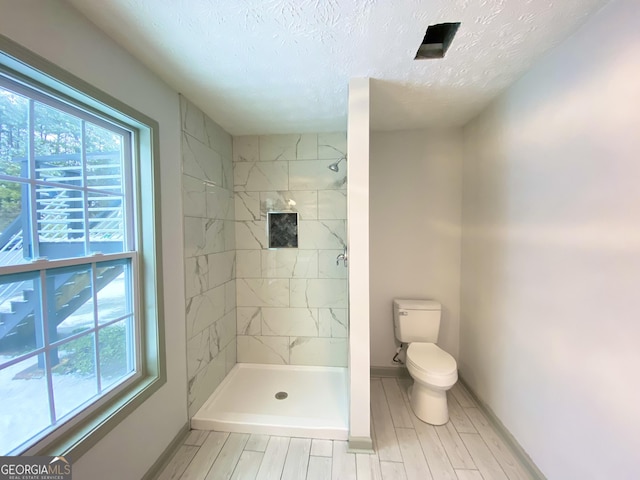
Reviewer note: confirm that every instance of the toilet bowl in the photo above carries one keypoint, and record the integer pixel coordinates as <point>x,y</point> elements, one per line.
<point>434,371</point>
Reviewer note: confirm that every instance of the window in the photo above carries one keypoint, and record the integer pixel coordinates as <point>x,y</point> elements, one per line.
<point>80,333</point>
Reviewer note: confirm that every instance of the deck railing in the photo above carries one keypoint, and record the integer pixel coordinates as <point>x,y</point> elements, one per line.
<point>61,212</point>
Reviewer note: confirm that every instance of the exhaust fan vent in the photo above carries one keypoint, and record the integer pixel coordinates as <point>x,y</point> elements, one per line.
<point>437,40</point>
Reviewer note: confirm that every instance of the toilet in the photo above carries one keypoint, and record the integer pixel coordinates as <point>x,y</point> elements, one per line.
<point>434,371</point>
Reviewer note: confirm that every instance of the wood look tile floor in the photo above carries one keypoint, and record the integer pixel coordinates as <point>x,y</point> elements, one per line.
<point>466,448</point>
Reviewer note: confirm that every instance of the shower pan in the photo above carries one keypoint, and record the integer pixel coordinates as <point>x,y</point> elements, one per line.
<point>289,400</point>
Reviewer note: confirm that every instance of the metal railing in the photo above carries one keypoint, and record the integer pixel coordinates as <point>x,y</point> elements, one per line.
<point>61,218</point>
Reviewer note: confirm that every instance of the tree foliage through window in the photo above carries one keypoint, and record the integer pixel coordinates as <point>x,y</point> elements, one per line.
<point>57,140</point>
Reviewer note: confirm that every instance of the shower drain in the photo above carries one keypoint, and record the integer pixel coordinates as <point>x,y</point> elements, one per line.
<point>281,395</point>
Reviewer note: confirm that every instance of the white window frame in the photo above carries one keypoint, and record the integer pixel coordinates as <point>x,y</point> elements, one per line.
<point>77,435</point>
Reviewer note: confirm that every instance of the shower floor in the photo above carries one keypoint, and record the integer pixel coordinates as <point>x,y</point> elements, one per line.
<point>316,404</point>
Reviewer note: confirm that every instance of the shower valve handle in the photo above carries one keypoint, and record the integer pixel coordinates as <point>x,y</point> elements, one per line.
<point>343,257</point>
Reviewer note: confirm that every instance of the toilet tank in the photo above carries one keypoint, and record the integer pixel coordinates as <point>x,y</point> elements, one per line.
<point>416,320</point>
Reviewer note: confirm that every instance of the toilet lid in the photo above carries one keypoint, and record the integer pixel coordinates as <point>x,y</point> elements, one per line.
<point>431,358</point>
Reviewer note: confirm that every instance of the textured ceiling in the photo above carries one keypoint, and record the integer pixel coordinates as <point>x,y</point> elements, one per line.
<point>279,66</point>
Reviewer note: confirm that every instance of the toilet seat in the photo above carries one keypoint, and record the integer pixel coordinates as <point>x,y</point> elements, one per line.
<point>430,364</point>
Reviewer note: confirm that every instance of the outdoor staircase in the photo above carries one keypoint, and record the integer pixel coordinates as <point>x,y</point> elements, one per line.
<point>60,234</point>
<point>71,292</point>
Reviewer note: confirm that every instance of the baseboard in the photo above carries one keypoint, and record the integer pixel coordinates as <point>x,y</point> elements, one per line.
<point>360,445</point>
<point>394,372</point>
<point>516,448</point>
<point>165,457</point>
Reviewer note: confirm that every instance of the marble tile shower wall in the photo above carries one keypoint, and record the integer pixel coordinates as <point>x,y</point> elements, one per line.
<point>292,302</point>
<point>209,250</point>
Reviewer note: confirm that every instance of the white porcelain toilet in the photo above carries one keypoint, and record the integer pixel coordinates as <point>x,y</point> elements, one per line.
<point>434,371</point>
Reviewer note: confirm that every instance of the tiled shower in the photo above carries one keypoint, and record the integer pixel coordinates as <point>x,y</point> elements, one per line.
<point>246,302</point>
<point>209,250</point>
<point>292,302</point>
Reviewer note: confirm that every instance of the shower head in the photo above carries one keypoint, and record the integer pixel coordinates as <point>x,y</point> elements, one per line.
<point>334,166</point>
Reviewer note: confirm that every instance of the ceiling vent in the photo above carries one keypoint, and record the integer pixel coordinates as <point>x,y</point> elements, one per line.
<point>437,40</point>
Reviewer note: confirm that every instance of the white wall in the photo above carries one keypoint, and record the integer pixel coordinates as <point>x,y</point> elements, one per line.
<point>415,230</point>
<point>358,147</point>
<point>55,31</point>
<point>551,253</point>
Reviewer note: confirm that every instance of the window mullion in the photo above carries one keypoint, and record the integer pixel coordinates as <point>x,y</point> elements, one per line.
<point>44,313</point>
<point>94,283</point>
<point>136,327</point>
<point>65,262</point>
<point>33,203</point>
<point>128,193</point>
<point>85,195</point>
<point>49,183</point>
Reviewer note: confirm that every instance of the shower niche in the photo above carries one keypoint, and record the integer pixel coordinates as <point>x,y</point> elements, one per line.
<point>282,229</point>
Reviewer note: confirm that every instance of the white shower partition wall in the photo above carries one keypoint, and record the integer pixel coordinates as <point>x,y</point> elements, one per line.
<point>358,212</point>
<point>292,302</point>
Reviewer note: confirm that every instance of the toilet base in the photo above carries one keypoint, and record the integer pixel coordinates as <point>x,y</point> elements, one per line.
<point>428,404</point>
